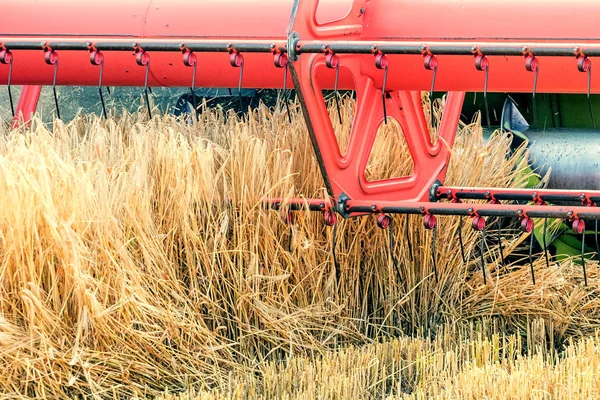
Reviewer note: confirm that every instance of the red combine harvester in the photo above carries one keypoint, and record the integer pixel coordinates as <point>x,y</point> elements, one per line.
<point>387,51</point>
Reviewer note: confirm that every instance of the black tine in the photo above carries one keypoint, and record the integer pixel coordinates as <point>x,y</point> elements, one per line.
<point>408,243</point>
<point>193,89</point>
<point>146,90</point>
<point>150,90</point>
<point>240,87</point>
<point>596,239</point>
<point>545,245</point>
<point>535,78</point>
<point>585,281</point>
<point>531,257</point>
<point>108,89</point>
<point>500,247</point>
<point>433,256</point>
<point>291,238</point>
<point>285,94</point>
<point>334,254</point>
<point>100,89</point>
<point>337,95</point>
<point>54,89</point>
<point>482,248</point>
<point>230,92</point>
<point>385,74</point>
<point>10,98</point>
<point>394,260</point>
<point>460,240</point>
<point>431,96</point>
<point>589,87</point>
<point>485,100</point>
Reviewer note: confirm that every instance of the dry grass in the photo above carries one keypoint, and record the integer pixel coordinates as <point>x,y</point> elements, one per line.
<point>136,257</point>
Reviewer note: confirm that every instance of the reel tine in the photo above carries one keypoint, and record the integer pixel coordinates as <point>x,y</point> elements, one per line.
<point>546,246</point>
<point>430,222</point>
<point>236,60</point>
<point>460,241</point>
<point>500,247</point>
<point>483,64</point>
<point>527,225</point>
<point>6,57</point>
<point>408,243</point>
<point>596,240</point>
<point>584,64</point>
<point>333,61</point>
<point>382,62</point>
<point>385,221</point>
<point>334,253</point>
<point>430,62</point>
<point>191,60</point>
<point>281,61</point>
<point>479,224</point>
<point>579,228</point>
<point>142,58</point>
<point>532,64</point>
<point>97,58</point>
<point>51,58</point>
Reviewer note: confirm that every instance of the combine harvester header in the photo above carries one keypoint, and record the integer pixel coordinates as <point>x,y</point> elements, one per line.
<point>388,51</point>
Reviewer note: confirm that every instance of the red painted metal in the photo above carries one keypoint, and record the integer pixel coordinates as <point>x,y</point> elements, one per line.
<point>30,94</point>
<point>230,25</point>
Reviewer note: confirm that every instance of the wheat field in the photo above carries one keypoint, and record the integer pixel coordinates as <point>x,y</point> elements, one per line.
<point>137,260</point>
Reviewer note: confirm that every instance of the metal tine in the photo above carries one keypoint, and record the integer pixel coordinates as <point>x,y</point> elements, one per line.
<point>579,228</point>
<point>6,57</point>
<point>430,222</point>
<point>532,64</point>
<point>500,247</point>
<point>51,58</point>
<point>143,59</point>
<point>527,225</point>
<point>333,61</point>
<point>544,242</point>
<point>460,240</point>
<point>483,64</point>
<point>191,60</point>
<point>385,221</point>
<point>408,242</point>
<point>584,64</point>
<point>97,58</point>
<point>431,63</point>
<point>281,61</point>
<point>382,62</point>
<point>596,240</point>
<point>334,253</point>
<point>236,59</point>
<point>479,225</point>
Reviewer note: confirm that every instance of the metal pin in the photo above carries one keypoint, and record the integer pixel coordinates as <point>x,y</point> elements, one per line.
<point>281,61</point>
<point>500,247</point>
<point>482,64</point>
<point>51,58</point>
<point>190,60</point>
<point>382,62</point>
<point>532,64</point>
<point>545,245</point>
<point>333,252</point>
<point>431,63</point>
<point>6,57</point>
<point>408,243</point>
<point>430,222</point>
<point>333,61</point>
<point>527,226</point>
<point>236,59</point>
<point>387,222</point>
<point>584,64</point>
<point>479,225</point>
<point>460,240</point>
<point>97,58</point>
<point>579,228</point>
<point>143,59</point>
